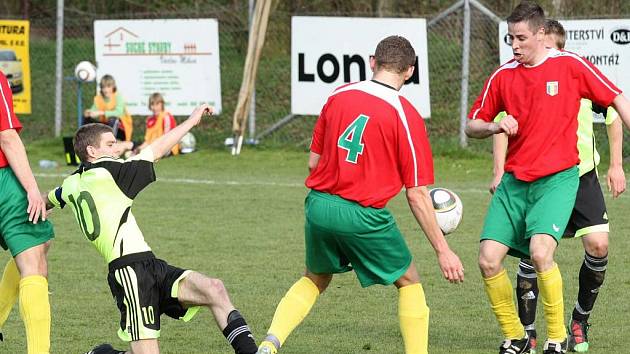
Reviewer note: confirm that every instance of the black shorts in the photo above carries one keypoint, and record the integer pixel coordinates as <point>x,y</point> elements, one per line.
<point>589,213</point>
<point>145,288</point>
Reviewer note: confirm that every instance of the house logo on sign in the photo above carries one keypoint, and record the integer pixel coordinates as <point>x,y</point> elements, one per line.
<point>116,38</point>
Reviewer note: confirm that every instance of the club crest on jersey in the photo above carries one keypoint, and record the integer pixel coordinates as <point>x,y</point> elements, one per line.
<point>552,88</point>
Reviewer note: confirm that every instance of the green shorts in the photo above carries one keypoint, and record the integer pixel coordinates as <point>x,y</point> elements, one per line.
<point>16,232</point>
<point>519,209</point>
<point>341,235</point>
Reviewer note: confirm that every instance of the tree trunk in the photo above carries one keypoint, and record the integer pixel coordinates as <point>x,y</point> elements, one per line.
<point>557,7</point>
<point>26,9</point>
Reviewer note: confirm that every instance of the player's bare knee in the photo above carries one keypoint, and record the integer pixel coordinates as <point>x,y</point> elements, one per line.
<point>596,246</point>
<point>320,280</point>
<point>409,278</point>
<point>489,266</point>
<point>541,259</point>
<point>215,290</point>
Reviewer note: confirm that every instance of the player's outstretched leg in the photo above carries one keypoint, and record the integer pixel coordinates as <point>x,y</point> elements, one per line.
<point>413,312</point>
<point>292,309</point>
<point>199,290</point>
<point>527,299</point>
<point>592,274</point>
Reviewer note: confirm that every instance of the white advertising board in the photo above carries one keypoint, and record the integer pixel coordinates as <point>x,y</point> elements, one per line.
<point>177,58</point>
<point>605,43</point>
<point>327,52</point>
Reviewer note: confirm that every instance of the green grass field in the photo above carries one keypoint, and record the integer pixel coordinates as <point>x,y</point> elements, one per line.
<point>241,219</point>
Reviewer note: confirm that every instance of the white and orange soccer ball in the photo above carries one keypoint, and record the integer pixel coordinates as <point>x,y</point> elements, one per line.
<point>448,209</point>
<point>85,71</point>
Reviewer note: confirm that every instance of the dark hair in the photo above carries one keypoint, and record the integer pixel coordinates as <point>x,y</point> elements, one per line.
<point>394,53</point>
<point>89,135</point>
<point>107,80</point>
<point>554,27</point>
<point>530,12</point>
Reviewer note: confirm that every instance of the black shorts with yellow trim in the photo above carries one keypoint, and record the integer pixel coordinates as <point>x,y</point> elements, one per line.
<point>589,213</point>
<point>145,288</point>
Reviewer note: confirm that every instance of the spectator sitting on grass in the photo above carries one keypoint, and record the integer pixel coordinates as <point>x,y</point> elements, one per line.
<point>109,108</point>
<point>159,123</point>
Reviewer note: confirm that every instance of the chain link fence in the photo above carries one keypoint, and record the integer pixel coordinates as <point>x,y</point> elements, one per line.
<point>274,75</point>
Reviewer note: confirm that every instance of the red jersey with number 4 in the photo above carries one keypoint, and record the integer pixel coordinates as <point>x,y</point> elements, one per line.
<point>8,120</point>
<point>545,100</point>
<point>371,142</point>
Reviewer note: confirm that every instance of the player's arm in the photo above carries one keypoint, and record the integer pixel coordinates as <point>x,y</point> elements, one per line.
<point>499,152</point>
<point>616,178</point>
<point>162,145</point>
<point>313,160</point>
<point>422,209</point>
<point>622,106</point>
<point>54,200</point>
<point>317,140</point>
<point>14,150</point>
<point>480,129</point>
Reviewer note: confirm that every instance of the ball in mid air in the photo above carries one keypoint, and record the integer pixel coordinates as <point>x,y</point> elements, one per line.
<point>448,209</point>
<point>85,71</point>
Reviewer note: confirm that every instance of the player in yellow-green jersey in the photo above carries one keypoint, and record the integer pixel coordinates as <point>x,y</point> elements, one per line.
<point>589,220</point>
<point>101,193</point>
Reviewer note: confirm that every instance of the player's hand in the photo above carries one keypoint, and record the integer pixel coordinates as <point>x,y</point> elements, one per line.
<point>36,206</point>
<point>616,180</point>
<point>508,125</point>
<point>495,183</point>
<point>451,266</point>
<point>200,111</point>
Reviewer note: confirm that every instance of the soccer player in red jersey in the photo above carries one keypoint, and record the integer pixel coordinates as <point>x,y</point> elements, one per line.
<point>368,143</point>
<point>540,89</point>
<point>22,232</point>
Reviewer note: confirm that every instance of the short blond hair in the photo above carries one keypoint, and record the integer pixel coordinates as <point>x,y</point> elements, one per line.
<point>555,29</point>
<point>156,97</point>
<point>107,80</point>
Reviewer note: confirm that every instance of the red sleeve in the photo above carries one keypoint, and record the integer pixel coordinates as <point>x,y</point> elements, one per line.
<point>8,120</point>
<point>593,84</point>
<point>169,122</point>
<point>317,141</point>
<point>415,160</point>
<point>489,102</point>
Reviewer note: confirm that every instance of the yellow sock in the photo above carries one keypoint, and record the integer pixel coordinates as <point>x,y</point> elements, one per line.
<point>501,296</point>
<point>292,309</point>
<point>413,314</point>
<point>35,311</point>
<point>9,288</point>
<point>550,286</point>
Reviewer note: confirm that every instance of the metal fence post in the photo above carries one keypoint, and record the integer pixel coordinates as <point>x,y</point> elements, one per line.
<point>252,106</point>
<point>463,141</point>
<point>59,68</point>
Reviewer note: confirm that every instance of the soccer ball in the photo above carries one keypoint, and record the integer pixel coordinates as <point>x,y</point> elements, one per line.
<point>448,209</point>
<point>85,71</point>
<point>187,144</point>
